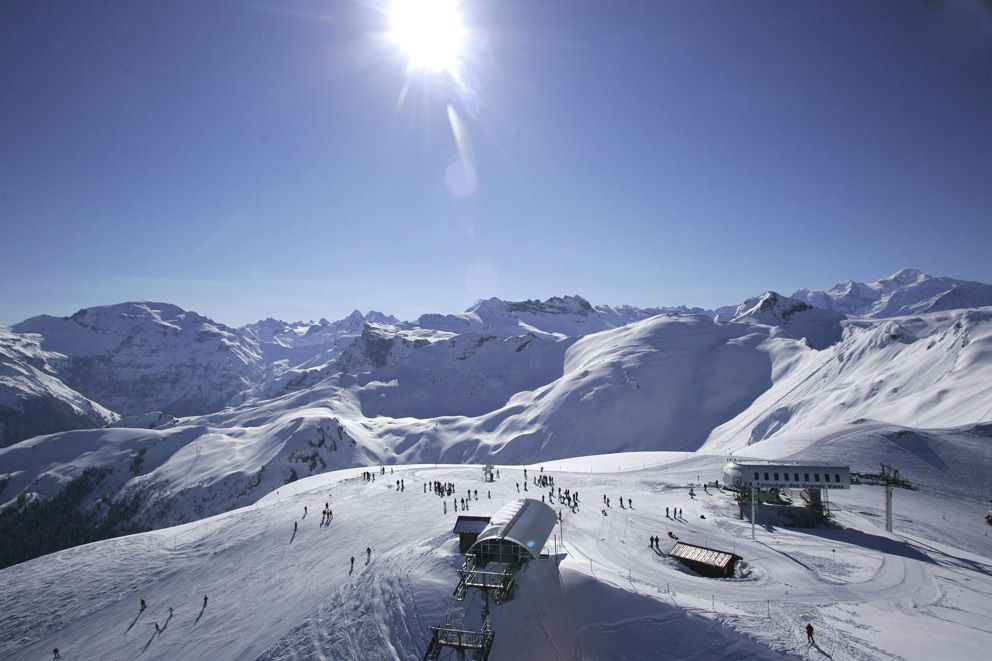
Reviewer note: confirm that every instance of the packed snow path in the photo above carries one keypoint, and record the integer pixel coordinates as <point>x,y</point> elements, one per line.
<point>276,594</point>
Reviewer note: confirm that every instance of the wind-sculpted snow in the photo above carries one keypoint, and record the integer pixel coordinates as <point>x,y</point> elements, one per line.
<point>927,371</point>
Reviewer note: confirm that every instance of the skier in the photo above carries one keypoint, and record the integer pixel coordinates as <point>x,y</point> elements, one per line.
<point>304,511</point>
<point>809,633</point>
<point>170,611</point>
<point>204,601</point>
<point>143,606</point>
<point>368,554</point>
<point>445,507</point>
<point>518,487</point>
<point>55,654</point>
<point>294,527</point>
<point>666,514</point>
<point>352,563</point>
<point>630,503</point>
<point>158,629</point>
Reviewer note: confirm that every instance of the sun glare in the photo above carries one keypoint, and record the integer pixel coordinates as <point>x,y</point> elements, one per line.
<point>430,32</point>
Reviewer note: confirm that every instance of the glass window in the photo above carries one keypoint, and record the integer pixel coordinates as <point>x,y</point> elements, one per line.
<point>776,476</point>
<point>826,477</point>
<point>836,477</point>
<point>816,477</point>
<point>806,477</point>
<point>756,476</point>
<point>766,476</point>
<point>796,476</point>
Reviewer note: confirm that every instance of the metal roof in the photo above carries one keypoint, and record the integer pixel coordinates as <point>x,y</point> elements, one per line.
<point>702,554</point>
<point>525,522</point>
<point>469,523</point>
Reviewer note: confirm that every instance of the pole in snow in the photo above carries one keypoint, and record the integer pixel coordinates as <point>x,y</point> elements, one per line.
<point>753,488</point>
<point>888,508</point>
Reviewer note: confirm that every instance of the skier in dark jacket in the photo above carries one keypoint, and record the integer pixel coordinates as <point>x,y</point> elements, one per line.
<point>809,633</point>
<point>143,606</point>
<point>55,654</point>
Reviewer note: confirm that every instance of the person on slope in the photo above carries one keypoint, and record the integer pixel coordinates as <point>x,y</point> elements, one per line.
<point>204,601</point>
<point>56,654</point>
<point>352,563</point>
<point>809,633</point>
<point>143,605</point>
<point>368,554</point>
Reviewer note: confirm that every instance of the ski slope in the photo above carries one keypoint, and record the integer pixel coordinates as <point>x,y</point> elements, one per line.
<point>924,592</point>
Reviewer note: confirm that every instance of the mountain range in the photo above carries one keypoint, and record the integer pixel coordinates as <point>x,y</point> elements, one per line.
<point>169,416</point>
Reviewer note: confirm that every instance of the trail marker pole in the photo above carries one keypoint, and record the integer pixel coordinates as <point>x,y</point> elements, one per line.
<point>753,489</point>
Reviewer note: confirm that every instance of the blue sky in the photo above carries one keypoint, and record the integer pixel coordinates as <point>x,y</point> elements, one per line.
<point>248,159</point>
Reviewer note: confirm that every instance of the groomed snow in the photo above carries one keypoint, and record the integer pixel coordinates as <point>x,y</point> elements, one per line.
<point>275,594</point>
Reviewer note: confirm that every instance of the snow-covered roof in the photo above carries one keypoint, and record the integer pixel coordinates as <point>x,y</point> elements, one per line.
<point>468,523</point>
<point>525,522</point>
<point>702,554</point>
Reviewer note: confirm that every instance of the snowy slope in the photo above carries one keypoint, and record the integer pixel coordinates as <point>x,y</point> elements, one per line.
<point>279,593</point>
<point>933,370</point>
<point>32,399</point>
<point>799,320</point>
<point>677,382</point>
<point>143,356</point>
<point>904,293</point>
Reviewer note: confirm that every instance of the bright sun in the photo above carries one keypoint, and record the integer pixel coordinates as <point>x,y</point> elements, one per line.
<point>430,32</point>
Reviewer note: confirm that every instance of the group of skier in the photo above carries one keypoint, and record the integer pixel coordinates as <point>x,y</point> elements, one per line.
<point>441,488</point>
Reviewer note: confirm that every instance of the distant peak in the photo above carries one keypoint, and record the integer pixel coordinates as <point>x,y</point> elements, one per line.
<point>907,276</point>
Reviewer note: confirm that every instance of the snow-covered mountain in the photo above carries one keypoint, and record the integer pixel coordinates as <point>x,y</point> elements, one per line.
<point>312,342</point>
<point>820,328</point>
<point>144,356</point>
<point>671,382</point>
<point>562,316</point>
<point>33,400</point>
<point>904,293</point>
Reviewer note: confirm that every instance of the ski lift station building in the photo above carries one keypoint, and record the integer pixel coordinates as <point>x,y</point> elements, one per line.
<point>787,475</point>
<point>751,477</point>
<point>516,532</point>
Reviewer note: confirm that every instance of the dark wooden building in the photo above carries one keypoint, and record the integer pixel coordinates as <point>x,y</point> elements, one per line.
<point>468,529</point>
<point>705,561</point>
